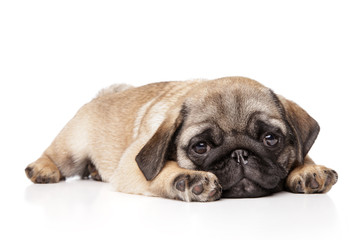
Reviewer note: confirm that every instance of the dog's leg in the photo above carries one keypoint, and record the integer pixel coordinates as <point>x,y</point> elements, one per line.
<point>66,156</point>
<point>172,182</point>
<point>59,162</point>
<point>311,178</point>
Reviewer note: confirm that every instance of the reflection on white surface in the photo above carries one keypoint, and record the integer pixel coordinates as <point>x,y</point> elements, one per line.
<point>92,210</point>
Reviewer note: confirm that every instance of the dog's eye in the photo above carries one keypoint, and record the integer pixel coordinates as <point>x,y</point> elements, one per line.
<point>201,148</point>
<point>270,140</point>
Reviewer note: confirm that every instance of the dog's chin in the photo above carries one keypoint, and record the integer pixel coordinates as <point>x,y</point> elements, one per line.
<point>246,188</point>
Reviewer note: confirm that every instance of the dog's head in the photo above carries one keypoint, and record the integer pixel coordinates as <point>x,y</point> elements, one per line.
<point>236,128</point>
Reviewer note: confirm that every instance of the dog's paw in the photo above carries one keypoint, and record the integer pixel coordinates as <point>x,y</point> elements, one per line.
<point>43,173</point>
<point>197,186</point>
<point>311,179</point>
<point>91,172</point>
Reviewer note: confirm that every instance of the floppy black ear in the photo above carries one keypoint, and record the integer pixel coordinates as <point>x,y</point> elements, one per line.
<point>305,128</point>
<point>152,156</point>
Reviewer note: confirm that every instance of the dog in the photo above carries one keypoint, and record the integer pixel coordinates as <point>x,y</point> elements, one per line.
<point>195,140</point>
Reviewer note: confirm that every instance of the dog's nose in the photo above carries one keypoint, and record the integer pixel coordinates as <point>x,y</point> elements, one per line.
<point>241,156</point>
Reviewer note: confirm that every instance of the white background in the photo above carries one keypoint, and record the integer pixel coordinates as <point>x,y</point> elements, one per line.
<point>56,55</point>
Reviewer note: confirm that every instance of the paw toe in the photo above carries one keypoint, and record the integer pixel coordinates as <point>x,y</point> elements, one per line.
<point>29,172</point>
<point>198,189</point>
<point>335,176</point>
<point>311,182</point>
<point>181,185</point>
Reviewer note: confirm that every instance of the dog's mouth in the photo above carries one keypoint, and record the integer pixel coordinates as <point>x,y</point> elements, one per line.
<point>245,188</point>
<point>247,181</point>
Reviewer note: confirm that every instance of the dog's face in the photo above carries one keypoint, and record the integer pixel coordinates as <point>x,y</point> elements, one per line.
<point>241,131</point>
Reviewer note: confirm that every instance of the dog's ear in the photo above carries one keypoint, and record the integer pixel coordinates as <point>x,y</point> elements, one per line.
<point>152,156</point>
<point>305,128</point>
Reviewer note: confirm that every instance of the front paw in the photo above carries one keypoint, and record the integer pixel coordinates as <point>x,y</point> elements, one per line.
<point>197,186</point>
<point>311,179</point>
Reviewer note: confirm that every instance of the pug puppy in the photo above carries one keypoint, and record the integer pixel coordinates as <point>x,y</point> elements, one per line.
<point>193,141</point>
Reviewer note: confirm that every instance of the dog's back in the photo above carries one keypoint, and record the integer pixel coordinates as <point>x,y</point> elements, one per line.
<point>103,129</point>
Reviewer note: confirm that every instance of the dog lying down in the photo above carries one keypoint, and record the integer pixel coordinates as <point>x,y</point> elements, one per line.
<point>194,141</point>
